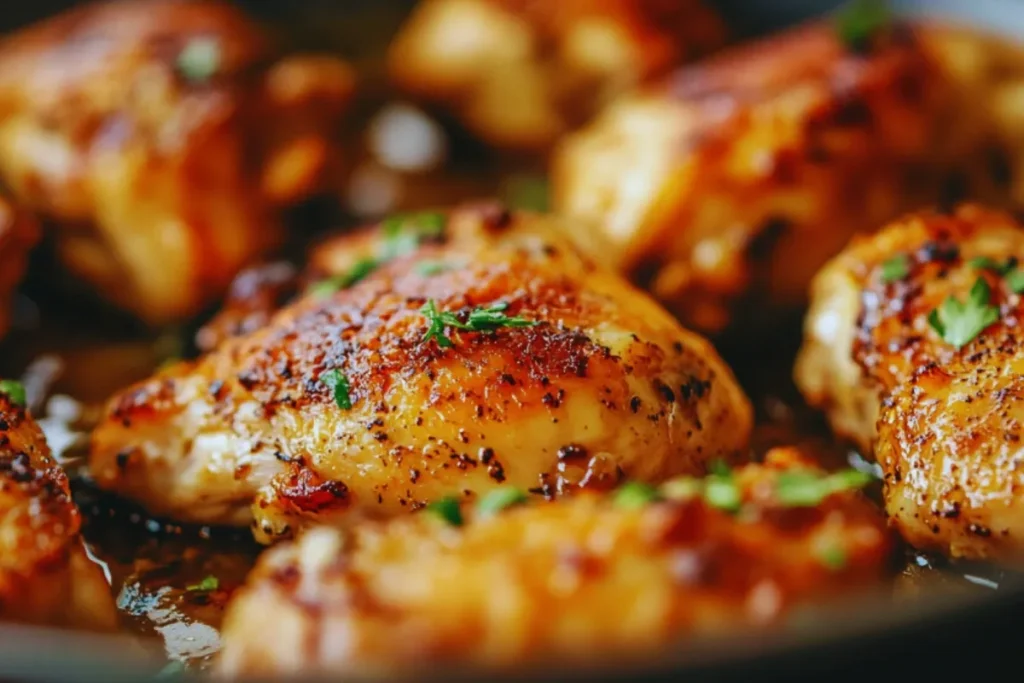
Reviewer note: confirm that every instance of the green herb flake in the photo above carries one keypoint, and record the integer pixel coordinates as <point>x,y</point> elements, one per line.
<point>805,488</point>
<point>895,269</point>
<point>499,499</point>
<point>1015,281</point>
<point>722,493</point>
<point>682,488</point>
<point>447,510</point>
<point>428,268</point>
<point>860,22</point>
<point>634,495</point>
<point>987,263</point>
<point>960,322</point>
<point>172,670</point>
<point>200,59</point>
<point>338,383</point>
<point>480,319</point>
<point>403,234</point>
<point>209,583</point>
<point>14,390</point>
<point>832,556</point>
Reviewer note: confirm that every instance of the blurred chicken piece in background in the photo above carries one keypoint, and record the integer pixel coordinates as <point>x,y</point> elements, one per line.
<point>160,140</point>
<point>18,234</point>
<point>728,184</point>
<point>519,73</point>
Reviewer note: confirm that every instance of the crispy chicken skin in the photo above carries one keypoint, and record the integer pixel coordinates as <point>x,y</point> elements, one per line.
<point>519,73</point>
<point>562,579</point>
<point>19,233</point>
<point>159,139</point>
<point>945,423</point>
<point>604,383</point>
<point>45,575</point>
<point>728,184</point>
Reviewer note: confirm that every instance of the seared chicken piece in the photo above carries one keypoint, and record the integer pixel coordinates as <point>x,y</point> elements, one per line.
<point>19,232</point>
<point>531,366</point>
<point>160,140</point>
<point>559,580</point>
<point>913,344</point>
<point>520,73</point>
<point>729,184</point>
<point>45,575</point>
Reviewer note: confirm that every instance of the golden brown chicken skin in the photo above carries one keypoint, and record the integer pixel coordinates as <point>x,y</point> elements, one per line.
<point>520,73</point>
<point>587,381</point>
<point>561,580</point>
<point>46,577</point>
<point>726,186</point>
<point>19,233</point>
<point>160,140</point>
<point>883,357</point>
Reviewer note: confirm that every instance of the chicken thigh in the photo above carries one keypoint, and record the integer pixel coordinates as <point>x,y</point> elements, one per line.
<point>520,73</point>
<point>913,349</point>
<point>727,185</point>
<point>46,577</point>
<point>474,349</point>
<point>620,573</point>
<point>160,140</point>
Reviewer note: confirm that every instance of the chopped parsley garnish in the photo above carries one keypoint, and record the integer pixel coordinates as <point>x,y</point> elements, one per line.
<point>200,59</point>
<point>447,510</point>
<point>808,488</point>
<point>895,269</point>
<point>428,268</point>
<point>338,382</point>
<point>634,495</point>
<point>402,236</point>
<point>210,583</point>
<point>859,22</point>
<point>960,322</point>
<point>499,499</point>
<point>682,488</point>
<point>832,557</point>
<point>480,319</point>
<point>1015,281</point>
<point>359,270</point>
<point>15,391</point>
<point>986,263</point>
<point>721,490</point>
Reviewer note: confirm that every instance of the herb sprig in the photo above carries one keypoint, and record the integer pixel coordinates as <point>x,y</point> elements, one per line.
<point>860,22</point>
<point>895,269</point>
<point>402,235</point>
<point>15,391</point>
<point>959,322</point>
<point>499,499</point>
<point>339,384</point>
<point>447,510</point>
<point>208,584</point>
<point>480,319</point>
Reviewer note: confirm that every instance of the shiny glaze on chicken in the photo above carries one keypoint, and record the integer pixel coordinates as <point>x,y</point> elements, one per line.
<point>19,233</point>
<point>944,423</point>
<point>559,580</point>
<point>46,577</point>
<point>520,73</point>
<point>160,140</point>
<point>729,184</point>
<point>600,383</point>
